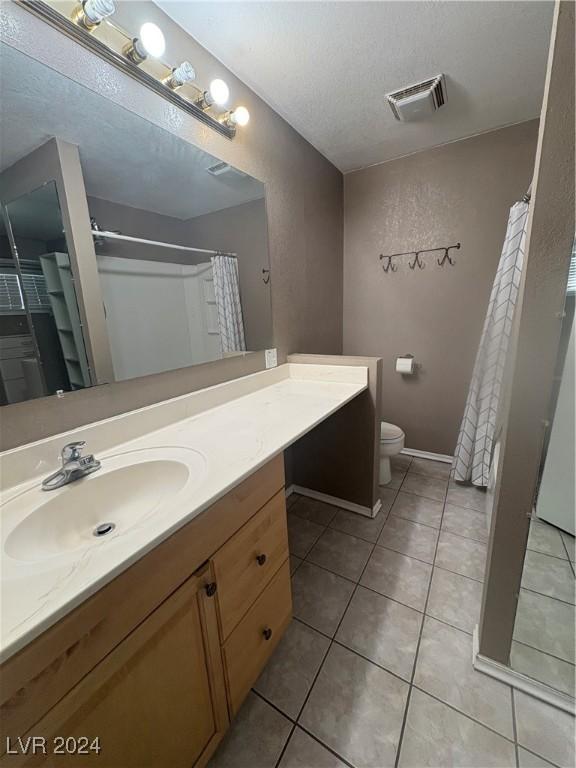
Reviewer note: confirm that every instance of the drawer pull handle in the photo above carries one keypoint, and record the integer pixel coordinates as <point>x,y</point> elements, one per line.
<point>261,559</point>
<point>267,632</point>
<point>210,588</point>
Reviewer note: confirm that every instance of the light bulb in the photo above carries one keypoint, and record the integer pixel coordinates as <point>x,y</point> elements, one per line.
<point>90,13</point>
<point>218,92</point>
<point>240,116</point>
<point>180,75</point>
<point>184,73</point>
<point>97,10</point>
<point>152,39</point>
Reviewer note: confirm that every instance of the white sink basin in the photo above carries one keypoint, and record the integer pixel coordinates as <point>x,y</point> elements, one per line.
<point>129,489</point>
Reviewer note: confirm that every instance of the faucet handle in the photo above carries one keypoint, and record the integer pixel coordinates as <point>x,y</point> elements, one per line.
<point>72,451</point>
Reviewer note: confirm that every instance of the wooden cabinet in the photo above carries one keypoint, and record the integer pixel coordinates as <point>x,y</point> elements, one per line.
<point>251,644</point>
<point>247,562</point>
<point>155,662</point>
<point>157,699</point>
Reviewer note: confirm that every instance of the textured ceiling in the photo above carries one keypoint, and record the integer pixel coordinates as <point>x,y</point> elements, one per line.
<point>326,66</point>
<point>125,158</point>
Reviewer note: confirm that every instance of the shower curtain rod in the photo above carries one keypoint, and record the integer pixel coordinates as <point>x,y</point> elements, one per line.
<point>128,238</point>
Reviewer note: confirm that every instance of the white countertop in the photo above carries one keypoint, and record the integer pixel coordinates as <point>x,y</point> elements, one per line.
<point>235,428</point>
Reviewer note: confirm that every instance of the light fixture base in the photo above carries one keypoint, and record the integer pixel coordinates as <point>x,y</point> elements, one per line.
<point>203,102</point>
<point>132,52</point>
<point>79,17</point>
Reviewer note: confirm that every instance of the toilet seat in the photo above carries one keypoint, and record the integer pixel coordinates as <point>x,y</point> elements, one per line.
<point>390,433</point>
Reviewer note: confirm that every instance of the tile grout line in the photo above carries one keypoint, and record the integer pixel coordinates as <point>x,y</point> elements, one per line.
<point>445,703</point>
<point>514,727</point>
<point>328,748</point>
<point>320,666</point>
<point>381,546</point>
<point>568,555</point>
<point>393,599</point>
<point>332,641</point>
<point>546,653</point>
<point>424,613</point>
<point>543,594</point>
<point>411,608</point>
<point>464,714</point>
<point>411,683</point>
<point>549,554</point>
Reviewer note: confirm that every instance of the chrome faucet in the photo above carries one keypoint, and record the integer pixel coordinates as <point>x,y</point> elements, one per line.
<point>74,466</point>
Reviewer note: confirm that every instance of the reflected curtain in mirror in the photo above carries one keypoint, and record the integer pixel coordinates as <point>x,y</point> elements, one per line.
<point>228,304</point>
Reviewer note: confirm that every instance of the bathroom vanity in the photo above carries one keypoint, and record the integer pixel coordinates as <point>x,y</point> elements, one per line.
<point>138,649</point>
<point>154,664</point>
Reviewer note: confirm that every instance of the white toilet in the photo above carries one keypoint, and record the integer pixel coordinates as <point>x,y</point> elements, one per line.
<point>391,443</point>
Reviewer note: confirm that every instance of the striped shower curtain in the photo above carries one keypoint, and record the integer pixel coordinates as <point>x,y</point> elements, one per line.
<point>473,452</point>
<point>228,305</point>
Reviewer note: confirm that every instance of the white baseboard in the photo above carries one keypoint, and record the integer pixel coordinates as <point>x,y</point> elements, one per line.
<point>335,501</point>
<point>427,455</point>
<point>519,681</point>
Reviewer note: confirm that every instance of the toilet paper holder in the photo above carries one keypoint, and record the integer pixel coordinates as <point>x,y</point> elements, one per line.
<point>413,368</point>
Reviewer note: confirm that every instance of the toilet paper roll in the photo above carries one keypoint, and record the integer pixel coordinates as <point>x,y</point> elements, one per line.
<point>405,365</point>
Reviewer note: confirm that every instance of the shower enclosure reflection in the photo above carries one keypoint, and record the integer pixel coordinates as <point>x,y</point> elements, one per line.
<point>543,647</point>
<point>41,341</point>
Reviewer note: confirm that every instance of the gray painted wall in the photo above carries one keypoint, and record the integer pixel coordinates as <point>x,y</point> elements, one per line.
<point>458,192</point>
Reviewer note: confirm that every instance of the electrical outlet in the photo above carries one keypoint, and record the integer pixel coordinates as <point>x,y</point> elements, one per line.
<point>271,358</point>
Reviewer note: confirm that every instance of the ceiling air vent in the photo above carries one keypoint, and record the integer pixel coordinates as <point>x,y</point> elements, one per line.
<point>223,169</point>
<point>419,100</point>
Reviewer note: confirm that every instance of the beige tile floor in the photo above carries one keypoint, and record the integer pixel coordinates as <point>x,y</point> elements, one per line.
<point>375,670</point>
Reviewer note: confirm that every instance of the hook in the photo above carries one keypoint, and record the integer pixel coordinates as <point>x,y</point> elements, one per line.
<point>266,276</point>
<point>389,265</point>
<point>416,261</point>
<point>445,258</point>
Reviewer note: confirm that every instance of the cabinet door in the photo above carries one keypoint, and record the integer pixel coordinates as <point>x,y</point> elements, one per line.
<point>158,699</point>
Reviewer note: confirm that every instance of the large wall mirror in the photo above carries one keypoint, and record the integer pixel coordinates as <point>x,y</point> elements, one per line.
<point>124,250</point>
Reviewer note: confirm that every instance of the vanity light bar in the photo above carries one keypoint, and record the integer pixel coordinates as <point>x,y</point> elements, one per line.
<point>89,14</point>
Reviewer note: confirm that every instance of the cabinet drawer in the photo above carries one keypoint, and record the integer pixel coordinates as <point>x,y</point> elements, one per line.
<point>247,562</point>
<point>250,645</point>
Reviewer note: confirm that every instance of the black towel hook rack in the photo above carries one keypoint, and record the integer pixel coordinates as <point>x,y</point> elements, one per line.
<point>390,266</point>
